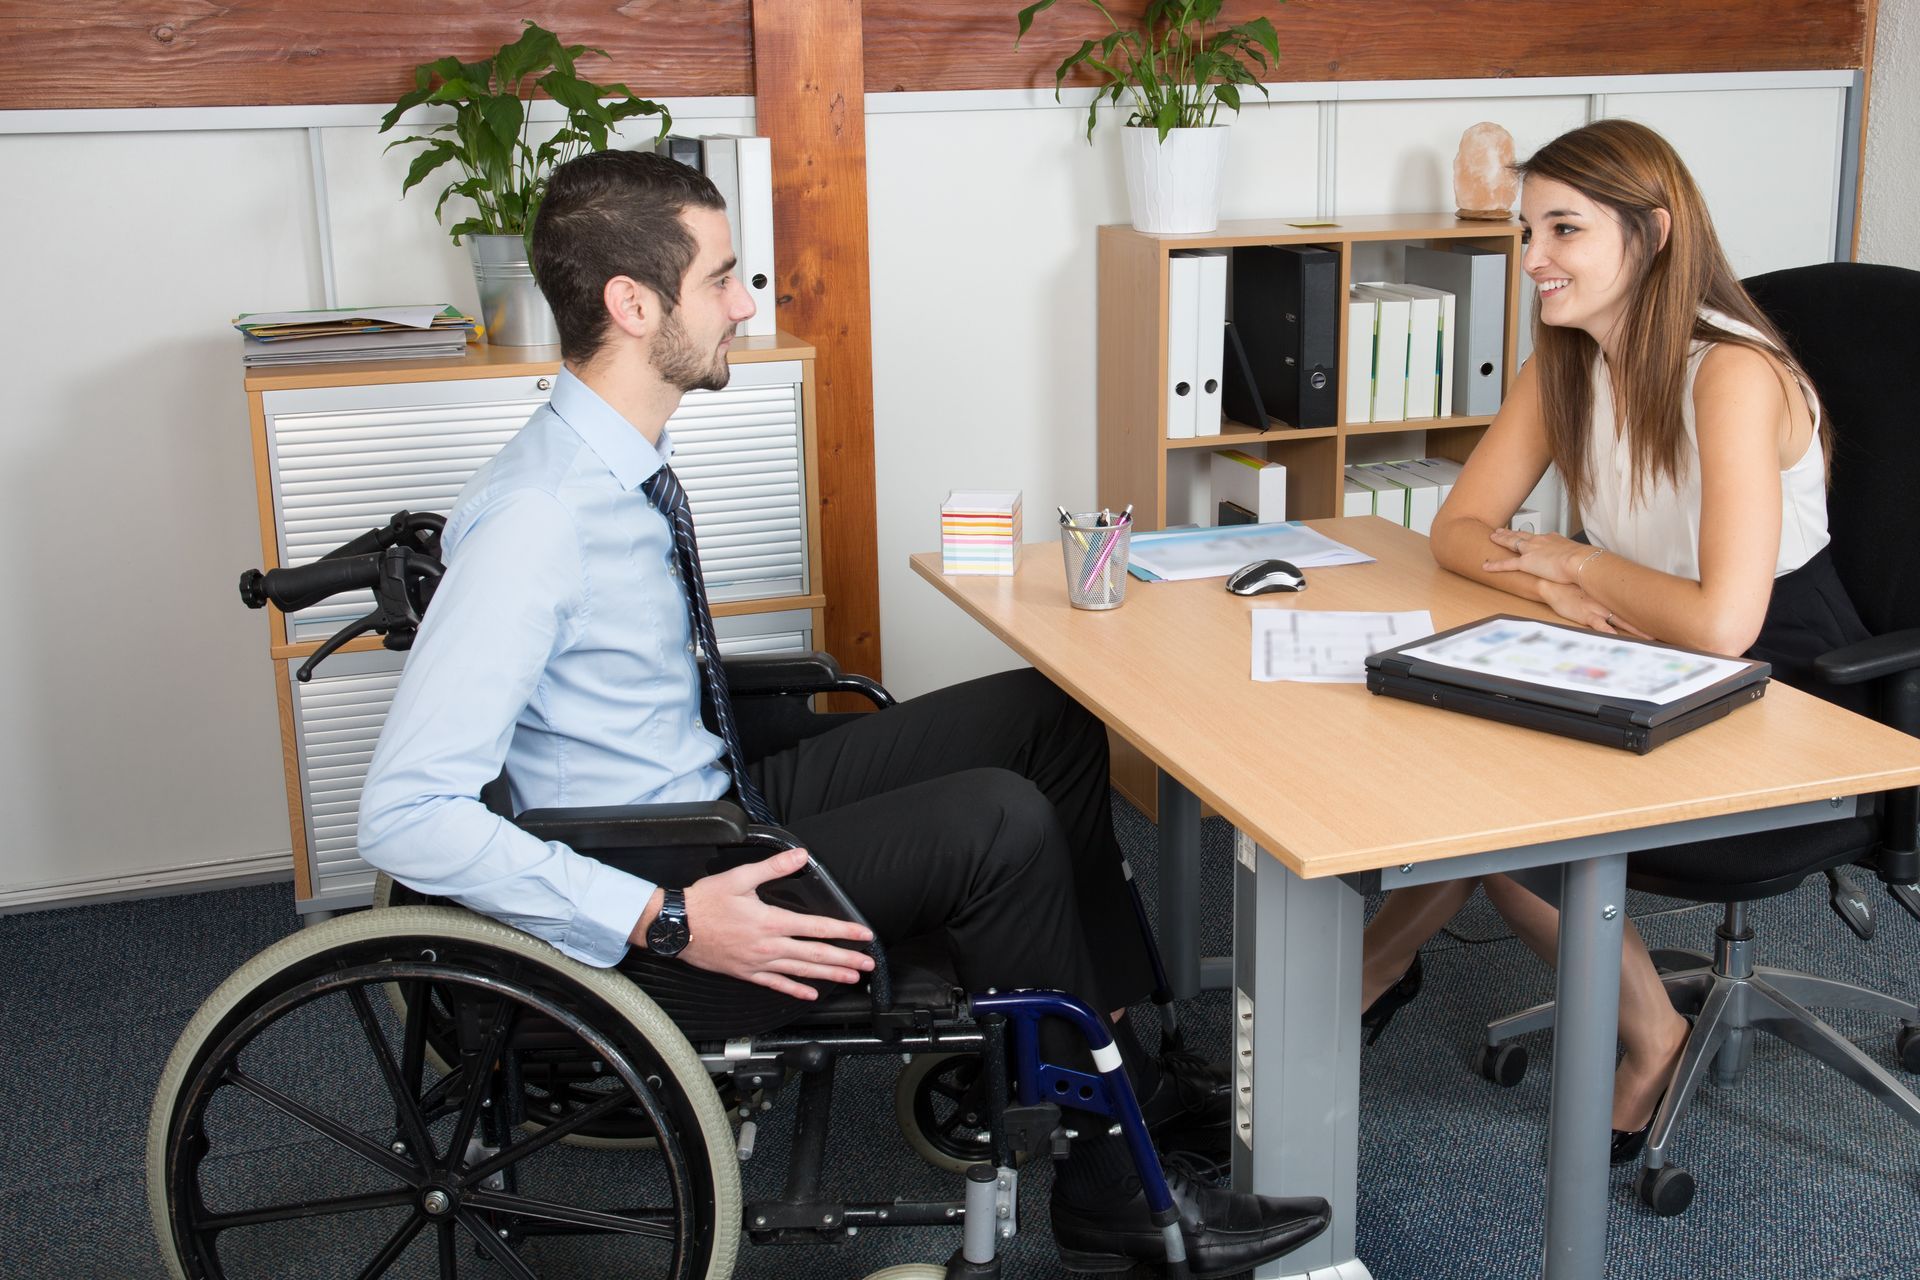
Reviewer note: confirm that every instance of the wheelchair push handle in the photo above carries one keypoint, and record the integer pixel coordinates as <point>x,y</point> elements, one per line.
<point>308,584</point>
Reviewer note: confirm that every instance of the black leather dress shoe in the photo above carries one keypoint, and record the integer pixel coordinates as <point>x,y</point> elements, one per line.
<point>1225,1231</point>
<point>1191,1109</point>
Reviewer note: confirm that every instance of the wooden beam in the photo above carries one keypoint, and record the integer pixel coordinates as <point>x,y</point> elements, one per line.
<point>106,53</point>
<point>808,99</point>
<point>961,44</point>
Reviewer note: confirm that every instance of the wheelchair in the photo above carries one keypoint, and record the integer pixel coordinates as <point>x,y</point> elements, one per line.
<point>427,1091</point>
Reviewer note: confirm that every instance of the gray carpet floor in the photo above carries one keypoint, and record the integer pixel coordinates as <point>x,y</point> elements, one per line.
<point>1800,1174</point>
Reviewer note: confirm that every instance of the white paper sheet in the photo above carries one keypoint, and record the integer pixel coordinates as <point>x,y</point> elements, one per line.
<point>1328,648</point>
<point>418,316</point>
<point>1583,661</point>
<point>1179,554</point>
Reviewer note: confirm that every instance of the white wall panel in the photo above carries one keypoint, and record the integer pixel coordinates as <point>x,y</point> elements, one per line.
<point>1767,161</point>
<point>981,233</point>
<point>1397,157</point>
<point>140,729</point>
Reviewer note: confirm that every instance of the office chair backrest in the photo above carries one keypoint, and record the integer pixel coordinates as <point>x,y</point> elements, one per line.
<point>1856,329</point>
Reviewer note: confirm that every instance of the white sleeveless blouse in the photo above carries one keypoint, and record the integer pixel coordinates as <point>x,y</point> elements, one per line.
<point>1662,529</point>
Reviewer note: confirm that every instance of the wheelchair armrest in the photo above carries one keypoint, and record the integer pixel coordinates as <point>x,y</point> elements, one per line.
<point>637,826</point>
<point>796,674</point>
<point>1871,658</point>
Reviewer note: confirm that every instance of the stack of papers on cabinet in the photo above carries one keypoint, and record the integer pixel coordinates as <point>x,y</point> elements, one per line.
<point>980,531</point>
<point>274,338</point>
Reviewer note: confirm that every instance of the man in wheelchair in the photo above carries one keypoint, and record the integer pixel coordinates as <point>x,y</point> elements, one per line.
<point>570,643</point>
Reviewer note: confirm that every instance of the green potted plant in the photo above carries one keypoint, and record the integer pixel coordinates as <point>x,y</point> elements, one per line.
<point>505,164</point>
<point>1177,76</point>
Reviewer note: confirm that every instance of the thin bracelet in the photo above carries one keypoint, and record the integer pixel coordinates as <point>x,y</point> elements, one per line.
<point>1582,567</point>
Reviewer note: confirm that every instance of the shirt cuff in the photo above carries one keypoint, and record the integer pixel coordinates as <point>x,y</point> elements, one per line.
<point>604,916</point>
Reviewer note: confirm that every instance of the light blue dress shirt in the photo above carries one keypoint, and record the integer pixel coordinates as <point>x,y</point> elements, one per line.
<point>558,643</point>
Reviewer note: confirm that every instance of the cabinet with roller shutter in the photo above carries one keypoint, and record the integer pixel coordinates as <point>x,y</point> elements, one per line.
<point>339,448</point>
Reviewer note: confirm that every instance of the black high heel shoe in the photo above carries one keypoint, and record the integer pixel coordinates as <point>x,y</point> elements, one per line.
<point>1381,1011</point>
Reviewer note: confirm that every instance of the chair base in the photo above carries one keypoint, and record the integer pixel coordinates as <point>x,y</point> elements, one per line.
<point>1730,999</point>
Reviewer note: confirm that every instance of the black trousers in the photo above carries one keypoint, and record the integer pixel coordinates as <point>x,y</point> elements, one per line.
<point>980,811</point>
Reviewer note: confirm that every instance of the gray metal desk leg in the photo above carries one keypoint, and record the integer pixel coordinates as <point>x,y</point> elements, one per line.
<point>1296,1051</point>
<point>1592,915</point>
<point>1179,843</point>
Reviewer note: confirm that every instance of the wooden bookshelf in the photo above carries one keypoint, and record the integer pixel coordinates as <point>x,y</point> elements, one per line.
<point>1134,451</point>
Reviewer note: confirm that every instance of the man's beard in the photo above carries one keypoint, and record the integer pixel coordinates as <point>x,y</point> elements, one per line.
<point>683,365</point>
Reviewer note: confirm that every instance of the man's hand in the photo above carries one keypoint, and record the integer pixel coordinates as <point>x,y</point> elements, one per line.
<point>737,934</point>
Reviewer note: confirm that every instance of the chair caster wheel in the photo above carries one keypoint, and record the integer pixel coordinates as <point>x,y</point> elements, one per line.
<point>1504,1064</point>
<point>1667,1191</point>
<point>911,1271</point>
<point>1907,1045</point>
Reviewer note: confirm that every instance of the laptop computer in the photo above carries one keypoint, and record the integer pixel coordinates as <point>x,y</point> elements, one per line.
<point>1616,691</point>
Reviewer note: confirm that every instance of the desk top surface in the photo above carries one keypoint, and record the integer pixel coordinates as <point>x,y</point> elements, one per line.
<point>1332,779</point>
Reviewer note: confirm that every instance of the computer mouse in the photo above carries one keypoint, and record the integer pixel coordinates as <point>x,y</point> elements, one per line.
<point>1262,576</point>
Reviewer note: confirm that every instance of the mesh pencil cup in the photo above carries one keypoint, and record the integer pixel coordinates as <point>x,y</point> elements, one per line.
<point>1096,558</point>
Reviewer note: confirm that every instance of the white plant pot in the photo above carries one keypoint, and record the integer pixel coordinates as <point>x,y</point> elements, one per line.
<point>1174,186</point>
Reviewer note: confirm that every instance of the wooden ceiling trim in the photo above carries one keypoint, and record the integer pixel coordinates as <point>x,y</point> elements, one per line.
<point>73,54</point>
<point>103,53</point>
<point>915,45</point>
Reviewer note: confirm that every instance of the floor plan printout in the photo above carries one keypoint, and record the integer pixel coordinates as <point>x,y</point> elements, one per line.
<point>1326,647</point>
<point>1582,661</point>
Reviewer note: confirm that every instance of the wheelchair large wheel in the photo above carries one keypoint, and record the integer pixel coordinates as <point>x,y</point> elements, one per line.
<point>299,1127</point>
<point>554,1089</point>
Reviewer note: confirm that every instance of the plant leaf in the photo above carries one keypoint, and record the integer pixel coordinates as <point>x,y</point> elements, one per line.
<point>426,162</point>
<point>1027,16</point>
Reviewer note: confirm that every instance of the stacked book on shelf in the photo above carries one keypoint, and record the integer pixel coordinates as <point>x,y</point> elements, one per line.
<point>280,338</point>
<point>1432,346</point>
<point>980,532</point>
<point>1410,493</point>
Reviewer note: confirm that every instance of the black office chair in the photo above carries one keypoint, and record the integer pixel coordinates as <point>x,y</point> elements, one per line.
<point>1851,326</point>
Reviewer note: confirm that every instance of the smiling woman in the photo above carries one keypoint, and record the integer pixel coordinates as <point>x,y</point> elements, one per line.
<point>1690,440</point>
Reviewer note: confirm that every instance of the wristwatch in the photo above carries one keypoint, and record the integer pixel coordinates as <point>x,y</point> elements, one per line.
<point>668,935</point>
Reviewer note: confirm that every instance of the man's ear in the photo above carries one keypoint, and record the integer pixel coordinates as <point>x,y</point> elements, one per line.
<point>1665,222</point>
<point>632,307</point>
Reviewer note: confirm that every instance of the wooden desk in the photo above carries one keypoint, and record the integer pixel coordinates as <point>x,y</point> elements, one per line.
<point>1329,781</point>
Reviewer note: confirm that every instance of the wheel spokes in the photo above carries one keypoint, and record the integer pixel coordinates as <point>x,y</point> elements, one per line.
<point>656,1224</point>
<point>406,1104</point>
<point>395,1246</point>
<point>548,1134</point>
<point>495,1247</point>
<point>481,1064</point>
<point>304,1209</point>
<point>372,1152</point>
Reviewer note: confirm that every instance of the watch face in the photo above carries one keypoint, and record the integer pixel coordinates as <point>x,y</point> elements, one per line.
<point>668,935</point>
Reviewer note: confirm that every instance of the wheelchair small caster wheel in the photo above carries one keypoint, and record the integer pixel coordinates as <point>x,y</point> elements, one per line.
<point>1504,1064</point>
<point>911,1271</point>
<point>941,1108</point>
<point>1907,1045</point>
<point>1667,1191</point>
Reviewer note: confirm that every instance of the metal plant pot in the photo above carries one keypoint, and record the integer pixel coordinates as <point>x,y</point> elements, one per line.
<point>511,304</point>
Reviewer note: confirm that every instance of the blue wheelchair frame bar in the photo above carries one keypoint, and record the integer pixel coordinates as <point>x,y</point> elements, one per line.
<point>1109,1093</point>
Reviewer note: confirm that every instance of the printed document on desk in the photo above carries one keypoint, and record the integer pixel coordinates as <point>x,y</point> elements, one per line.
<point>1179,554</point>
<point>1328,648</point>
<point>1561,657</point>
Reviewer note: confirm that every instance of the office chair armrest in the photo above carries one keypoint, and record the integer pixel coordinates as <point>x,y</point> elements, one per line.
<point>797,675</point>
<point>1872,658</point>
<point>638,826</point>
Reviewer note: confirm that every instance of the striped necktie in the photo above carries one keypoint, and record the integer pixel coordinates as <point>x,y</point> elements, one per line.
<point>666,493</point>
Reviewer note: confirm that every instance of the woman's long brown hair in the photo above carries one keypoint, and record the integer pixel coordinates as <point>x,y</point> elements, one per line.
<point>1633,171</point>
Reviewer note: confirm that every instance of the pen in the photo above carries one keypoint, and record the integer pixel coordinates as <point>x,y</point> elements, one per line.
<point>1126,517</point>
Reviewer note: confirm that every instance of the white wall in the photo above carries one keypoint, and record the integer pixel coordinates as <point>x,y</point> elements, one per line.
<point>1890,213</point>
<point>140,744</point>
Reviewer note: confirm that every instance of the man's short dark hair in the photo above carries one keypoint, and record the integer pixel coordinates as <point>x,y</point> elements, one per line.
<point>607,214</point>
